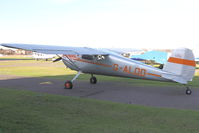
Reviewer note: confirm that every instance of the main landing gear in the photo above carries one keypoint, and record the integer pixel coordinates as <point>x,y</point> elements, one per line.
<point>188,91</point>
<point>69,84</point>
<point>93,79</point>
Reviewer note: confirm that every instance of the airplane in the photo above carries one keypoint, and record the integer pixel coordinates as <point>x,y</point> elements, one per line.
<point>179,68</point>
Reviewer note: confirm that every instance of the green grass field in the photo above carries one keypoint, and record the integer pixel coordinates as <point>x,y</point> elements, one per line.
<point>197,66</point>
<point>15,57</point>
<point>30,112</point>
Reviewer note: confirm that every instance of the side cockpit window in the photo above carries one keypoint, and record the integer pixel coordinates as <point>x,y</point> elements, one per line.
<point>88,57</point>
<point>93,57</point>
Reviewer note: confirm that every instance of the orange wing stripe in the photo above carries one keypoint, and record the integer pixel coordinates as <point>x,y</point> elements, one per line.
<point>182,61</point>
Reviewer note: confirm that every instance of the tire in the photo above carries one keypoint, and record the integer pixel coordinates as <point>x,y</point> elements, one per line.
<point>161,66</point>
<point>188,92</point>
<point>93,80</point>
<point>68,85</point>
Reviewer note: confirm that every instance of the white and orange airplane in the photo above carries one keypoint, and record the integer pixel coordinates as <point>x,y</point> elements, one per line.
<point>179,68</point>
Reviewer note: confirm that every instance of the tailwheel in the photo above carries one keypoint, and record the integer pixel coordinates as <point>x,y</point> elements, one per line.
<point>68,85</point>
<point>93,80</point>
<point>188,91</point>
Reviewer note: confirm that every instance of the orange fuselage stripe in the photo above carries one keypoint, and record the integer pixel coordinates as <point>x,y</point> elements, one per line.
<point>182,61</point>
<point>156,75</point>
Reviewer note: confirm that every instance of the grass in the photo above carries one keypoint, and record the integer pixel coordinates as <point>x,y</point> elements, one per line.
<point>35,71</point>
<point>33,68</point>
<point>15,57</point>
<point>197,72</point>
<point>24,111</point>
<point>197,66</point>
<point>8,63</point>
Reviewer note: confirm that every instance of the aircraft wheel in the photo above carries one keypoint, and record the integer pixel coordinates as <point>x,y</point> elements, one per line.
<point>188,91</point>
<point>68,85</point>
<point>93,80</point>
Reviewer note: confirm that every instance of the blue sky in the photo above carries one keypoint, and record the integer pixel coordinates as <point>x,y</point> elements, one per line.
<point>101,23</point>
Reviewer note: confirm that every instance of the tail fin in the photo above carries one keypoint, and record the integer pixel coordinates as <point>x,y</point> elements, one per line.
<point>181,66</point>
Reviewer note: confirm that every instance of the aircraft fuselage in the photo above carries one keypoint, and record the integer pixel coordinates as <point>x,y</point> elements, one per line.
<point>113,66</point>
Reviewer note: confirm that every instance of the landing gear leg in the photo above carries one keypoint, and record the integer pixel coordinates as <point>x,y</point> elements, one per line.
<point>69,84</point>
<point>188,91</point>
<point>93,79</point>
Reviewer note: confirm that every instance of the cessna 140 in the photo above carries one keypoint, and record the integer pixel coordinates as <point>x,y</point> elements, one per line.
<point>179,68</point>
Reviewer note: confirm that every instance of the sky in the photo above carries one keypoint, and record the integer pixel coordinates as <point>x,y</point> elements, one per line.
<point>101,23</point>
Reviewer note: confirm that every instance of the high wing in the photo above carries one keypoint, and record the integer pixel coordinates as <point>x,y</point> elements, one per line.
<point>48,49</point>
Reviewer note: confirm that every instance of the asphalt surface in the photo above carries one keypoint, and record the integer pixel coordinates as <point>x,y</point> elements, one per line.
<point>169,97</point>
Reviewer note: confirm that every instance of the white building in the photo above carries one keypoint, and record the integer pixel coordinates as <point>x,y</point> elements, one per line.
<point>40,56</point>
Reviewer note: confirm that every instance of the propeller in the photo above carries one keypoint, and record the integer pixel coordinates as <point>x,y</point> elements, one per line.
<point>58,59</point>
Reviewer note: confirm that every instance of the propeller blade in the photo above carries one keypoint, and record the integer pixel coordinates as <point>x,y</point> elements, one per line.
<point>58,59</point>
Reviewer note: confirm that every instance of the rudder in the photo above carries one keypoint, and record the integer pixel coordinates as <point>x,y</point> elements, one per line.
<point>182,64</point>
